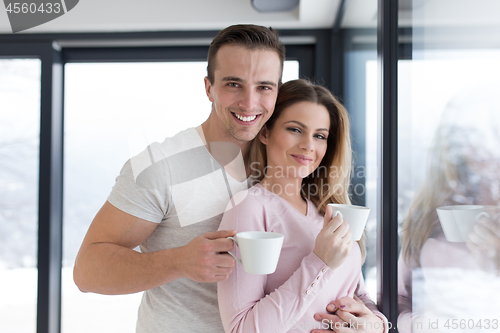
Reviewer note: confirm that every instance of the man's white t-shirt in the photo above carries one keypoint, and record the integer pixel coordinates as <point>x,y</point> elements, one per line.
<point>181,186</point>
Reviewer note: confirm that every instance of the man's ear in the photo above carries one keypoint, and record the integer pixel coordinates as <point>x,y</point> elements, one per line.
<point>208,89</point>
<point>264,135</point>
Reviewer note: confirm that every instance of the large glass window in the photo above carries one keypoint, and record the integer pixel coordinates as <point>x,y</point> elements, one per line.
<point>449,170</point>
<point>361,103</point>
<point>19,152</point>
<point>112,112</point>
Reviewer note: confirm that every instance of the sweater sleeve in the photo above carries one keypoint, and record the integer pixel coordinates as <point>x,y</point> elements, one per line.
<point>243,303</point>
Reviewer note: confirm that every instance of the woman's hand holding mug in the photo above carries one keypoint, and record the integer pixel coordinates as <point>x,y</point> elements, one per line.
<point>334,242</point>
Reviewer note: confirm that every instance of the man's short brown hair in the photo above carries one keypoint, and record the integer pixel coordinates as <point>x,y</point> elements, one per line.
<point>253,37</point>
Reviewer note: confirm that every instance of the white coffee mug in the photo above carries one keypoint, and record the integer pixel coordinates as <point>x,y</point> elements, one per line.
<point>260,250</point>
<point>458,221</point>
<point>355,216</point>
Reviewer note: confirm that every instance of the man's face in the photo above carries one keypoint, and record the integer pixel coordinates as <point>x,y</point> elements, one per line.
<point>244,90</point>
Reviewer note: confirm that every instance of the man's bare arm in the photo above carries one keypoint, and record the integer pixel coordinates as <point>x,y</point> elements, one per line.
<point>107,263</point>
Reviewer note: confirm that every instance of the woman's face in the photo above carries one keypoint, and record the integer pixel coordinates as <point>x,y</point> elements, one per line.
<point>298,141</point>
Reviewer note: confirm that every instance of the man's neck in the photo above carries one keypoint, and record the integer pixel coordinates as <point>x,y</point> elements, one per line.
<point>210,132</point>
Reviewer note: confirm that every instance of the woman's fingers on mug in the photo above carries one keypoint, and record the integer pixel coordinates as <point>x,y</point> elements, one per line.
<point>347,237</point>
<point>333,224</point>
<point>342,230</point>
<point>328,215</point>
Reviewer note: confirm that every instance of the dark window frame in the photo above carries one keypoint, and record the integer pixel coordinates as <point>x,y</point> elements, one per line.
<point>50,179</point>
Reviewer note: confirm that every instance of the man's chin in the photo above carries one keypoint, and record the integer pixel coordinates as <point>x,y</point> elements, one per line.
<point>244,136</point>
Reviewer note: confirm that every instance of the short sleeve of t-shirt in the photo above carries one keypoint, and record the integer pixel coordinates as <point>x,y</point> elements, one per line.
<point>142,188</point>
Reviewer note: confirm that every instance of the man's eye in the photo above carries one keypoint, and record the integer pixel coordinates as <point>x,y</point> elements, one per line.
<point>265,88</point>
<point>233,84</point>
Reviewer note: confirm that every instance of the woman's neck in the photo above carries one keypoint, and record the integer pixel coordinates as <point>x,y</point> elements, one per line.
<point>287,188</point>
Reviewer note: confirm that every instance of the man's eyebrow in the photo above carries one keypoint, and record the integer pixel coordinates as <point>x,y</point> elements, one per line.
<point>268,83</point>
<point>304,126</point>
<point>232,78</point>
<point>237,79</point>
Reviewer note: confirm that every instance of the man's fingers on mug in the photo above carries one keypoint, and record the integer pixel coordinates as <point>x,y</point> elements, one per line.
<point>225,260</point>
<point>223,271</point>
<point>220,277</point>
<point>219,234</point>
<point>223,245</point>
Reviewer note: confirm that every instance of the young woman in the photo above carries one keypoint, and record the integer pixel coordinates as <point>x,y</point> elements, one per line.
<point>302,158</point>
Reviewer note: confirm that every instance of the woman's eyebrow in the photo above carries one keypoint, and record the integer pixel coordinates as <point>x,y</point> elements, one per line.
<point>297,122</point>
<point>304,126</point>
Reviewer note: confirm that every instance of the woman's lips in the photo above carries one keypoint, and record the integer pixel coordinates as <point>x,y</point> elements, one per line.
<point>302,159</point>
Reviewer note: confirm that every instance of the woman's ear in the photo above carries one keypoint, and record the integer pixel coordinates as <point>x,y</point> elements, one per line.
<point>263,135</point>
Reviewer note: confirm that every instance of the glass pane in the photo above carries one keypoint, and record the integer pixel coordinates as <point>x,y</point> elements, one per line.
<point>19,152</point>
<point>361,103</point>
<point>449,125</point>
<point>112,111</point>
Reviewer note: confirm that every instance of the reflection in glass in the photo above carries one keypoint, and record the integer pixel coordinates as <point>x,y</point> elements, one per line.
<point>449,130</point>
<point>449,169</point>
<point>19,151</point>
<point>112,112</point>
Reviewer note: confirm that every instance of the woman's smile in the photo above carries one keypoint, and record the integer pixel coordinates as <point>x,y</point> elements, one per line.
<point>302,159</point>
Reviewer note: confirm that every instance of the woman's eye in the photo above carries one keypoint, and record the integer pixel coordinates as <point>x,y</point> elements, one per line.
<point>293,129</point>
<point>321,137</point>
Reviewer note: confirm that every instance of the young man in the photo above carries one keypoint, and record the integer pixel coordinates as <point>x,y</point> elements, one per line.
<point>169,200</point>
